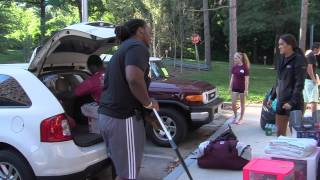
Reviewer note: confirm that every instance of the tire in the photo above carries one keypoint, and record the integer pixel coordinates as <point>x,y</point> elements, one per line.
<point>195,127</point>
<point>178,121</point>
<point>10,158</point>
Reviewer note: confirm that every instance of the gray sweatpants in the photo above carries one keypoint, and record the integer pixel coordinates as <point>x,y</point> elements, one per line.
<point>124,140</point>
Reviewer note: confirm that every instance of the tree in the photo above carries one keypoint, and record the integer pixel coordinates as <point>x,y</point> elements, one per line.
<point>5,20</point>
<point>264,23</point>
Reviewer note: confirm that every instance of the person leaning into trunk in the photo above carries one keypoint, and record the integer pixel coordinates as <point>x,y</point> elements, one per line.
<point>291,73</point>
<point>124,96</point>
<point>311,91</point>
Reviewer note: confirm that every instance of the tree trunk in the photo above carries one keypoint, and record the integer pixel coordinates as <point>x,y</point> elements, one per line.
<point>154,49</point>
<point>255,51</point>
<point>233,44</point>
<point>42,20</point>
<point>303,24</point>
<point>78,2</point>
<point>207,34</point>
<point>181,34</point>
<point>276,51</point>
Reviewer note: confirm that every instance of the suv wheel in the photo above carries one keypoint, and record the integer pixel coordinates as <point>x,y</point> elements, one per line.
<point>176,125</point>
<point>14,166</point>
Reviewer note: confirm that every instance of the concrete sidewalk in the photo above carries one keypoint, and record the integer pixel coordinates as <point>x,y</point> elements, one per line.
<point>249,133</point>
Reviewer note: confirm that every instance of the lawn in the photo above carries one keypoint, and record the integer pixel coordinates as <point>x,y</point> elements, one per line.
<point>12,56</point>
<point>261,80</point>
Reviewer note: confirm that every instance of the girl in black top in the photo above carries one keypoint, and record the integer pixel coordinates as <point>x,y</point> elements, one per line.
<point>291,73</point>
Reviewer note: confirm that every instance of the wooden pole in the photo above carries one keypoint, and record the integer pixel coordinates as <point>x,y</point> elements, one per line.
<point>207,38</point>
<point>181,34</point>
<point>232,31</point>
<point>303,24</point>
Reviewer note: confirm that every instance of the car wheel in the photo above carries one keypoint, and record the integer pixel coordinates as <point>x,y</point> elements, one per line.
<point>14,166</point>
<point>176,125</point>
<point>195,127</point>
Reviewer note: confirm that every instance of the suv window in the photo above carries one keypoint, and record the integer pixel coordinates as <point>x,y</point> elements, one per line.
<point>12,94</point>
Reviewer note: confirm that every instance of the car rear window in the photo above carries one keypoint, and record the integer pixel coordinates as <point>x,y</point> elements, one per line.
<point>12,94</point>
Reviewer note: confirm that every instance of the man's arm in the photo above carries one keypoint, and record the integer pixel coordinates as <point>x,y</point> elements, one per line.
<point>135,79</point>
<point>84,88</point>
<point>311,73</point>
<point>136,63</point>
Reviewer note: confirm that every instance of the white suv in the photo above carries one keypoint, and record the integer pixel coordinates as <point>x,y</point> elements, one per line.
<point>36,141</point>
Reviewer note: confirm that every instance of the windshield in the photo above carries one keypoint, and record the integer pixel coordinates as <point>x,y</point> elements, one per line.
<point>158,70</point>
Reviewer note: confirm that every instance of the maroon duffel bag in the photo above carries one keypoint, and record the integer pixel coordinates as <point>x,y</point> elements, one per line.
<point>222,155</point>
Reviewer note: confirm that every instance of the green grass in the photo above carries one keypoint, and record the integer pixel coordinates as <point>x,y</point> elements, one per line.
<point>262,79</point>
<point>11,56</point>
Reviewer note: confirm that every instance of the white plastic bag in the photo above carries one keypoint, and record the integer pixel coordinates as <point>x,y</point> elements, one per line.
<point>90,110</point>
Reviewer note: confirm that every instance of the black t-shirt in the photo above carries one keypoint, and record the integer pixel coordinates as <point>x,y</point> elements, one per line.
<point>117,100</point>
<point>311,59</point>
<point>318,60</point>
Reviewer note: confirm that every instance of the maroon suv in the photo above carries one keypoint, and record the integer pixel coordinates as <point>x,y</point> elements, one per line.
<point>184,104</point>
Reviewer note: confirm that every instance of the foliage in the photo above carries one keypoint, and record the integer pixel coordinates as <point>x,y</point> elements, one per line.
<point>259,27</point>
<point>58,19</point>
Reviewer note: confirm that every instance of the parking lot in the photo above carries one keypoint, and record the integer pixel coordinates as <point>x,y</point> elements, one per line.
<point>159,161</point>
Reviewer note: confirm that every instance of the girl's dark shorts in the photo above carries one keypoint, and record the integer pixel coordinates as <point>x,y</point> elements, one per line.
<point>238,90</point>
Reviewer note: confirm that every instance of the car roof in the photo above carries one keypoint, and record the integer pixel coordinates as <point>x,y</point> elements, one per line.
<point>15,66</point>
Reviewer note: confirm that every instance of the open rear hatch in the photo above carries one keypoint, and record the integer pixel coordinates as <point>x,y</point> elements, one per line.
<point>68,50</point>
<point>72,46</point>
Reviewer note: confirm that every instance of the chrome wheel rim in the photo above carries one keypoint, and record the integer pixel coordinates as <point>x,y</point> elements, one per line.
<point>170,125</point>
<point>9,172</point>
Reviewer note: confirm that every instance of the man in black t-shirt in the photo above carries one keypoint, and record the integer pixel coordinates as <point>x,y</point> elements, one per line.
<point>311,92</point>
<point>124,97</point>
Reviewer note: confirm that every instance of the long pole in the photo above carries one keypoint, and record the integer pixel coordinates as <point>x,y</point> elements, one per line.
<point>303,24</point>
<point>311,35</point>
<point>207,37</point>
<point>84,10</point>
<point>173,144</point>
<point>233,44</point>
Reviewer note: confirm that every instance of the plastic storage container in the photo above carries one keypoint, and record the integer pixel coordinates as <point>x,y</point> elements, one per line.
<point>266,169</point>
<point>307,133</point>
<point>305,168</point>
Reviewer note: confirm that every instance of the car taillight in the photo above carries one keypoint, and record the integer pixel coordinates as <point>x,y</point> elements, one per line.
<point>55,129</point>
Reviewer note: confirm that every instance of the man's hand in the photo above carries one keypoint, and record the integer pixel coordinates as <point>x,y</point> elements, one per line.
<point>287,106</point>
<point>152,105</point>
<point>246,93</point>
